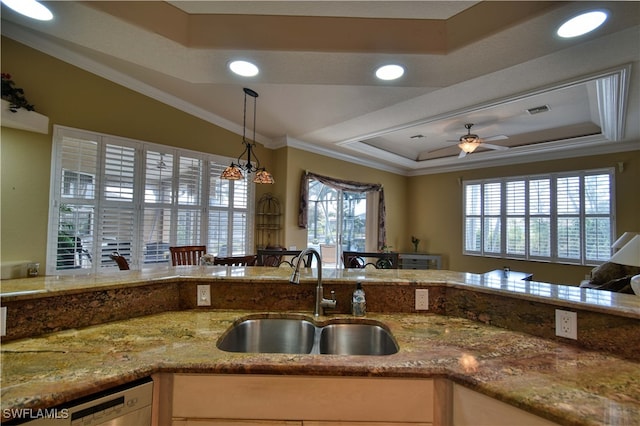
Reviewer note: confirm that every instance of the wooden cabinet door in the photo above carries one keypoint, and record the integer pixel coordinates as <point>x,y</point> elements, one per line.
<point>338,399</point>
<point>475,409</point>
<point>321,423</point>
<point>227,422</point>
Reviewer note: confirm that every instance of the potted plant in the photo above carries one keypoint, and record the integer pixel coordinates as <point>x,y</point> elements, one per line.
<point>14,95</point>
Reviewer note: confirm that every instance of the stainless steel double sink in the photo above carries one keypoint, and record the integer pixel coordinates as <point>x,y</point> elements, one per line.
<point>300,336</point>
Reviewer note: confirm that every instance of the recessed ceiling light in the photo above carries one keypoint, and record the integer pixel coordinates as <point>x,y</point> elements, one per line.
<point>30,8</point>
<point>389,72</point>
<point>582,24</point>
<point>244,68</point>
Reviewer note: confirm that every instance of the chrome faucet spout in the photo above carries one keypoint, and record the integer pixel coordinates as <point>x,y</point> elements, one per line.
<point>321,302</point>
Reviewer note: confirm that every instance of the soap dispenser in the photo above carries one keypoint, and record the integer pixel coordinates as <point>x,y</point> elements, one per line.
<point>358,303</point>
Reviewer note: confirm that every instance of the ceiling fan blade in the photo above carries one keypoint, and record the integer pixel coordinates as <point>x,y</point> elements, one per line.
<point>462,154</point>
<point>495,138</point>
<point>496,147</point>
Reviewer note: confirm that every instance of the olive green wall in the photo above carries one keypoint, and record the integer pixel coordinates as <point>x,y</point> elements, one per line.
<point>439,225</point>
<point>428,207</point>
<point>75,98</point>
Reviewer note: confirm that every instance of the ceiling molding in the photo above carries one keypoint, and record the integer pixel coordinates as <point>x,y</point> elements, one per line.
<point>316,149</point>
<point>578,147</point>
<point>546,155</point>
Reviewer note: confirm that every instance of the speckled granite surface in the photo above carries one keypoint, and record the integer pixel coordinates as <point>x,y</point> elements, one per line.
<point>600,301</point>
<point>570,384</point>
<point>559,382</point>
<point>606,321</point>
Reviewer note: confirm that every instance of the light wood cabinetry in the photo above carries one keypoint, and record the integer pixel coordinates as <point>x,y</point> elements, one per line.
<point>264,400</point>
<point>475,409</point>
<point>298,400</point>
<point>226,422</point>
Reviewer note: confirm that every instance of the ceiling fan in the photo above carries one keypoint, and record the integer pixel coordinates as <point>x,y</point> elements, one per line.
<point>469,142</point>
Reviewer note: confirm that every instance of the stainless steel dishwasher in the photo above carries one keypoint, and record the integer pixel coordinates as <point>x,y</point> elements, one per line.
<point>125,405</point>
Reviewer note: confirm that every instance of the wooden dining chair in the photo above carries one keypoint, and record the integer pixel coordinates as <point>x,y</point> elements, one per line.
<point>120,260</point>
<point>187,255</point>
<point>236,260</point>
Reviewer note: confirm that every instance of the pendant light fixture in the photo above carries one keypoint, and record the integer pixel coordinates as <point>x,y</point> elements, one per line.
<point>252,164</point>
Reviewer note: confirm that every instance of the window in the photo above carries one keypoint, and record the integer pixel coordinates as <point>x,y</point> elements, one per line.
<point>561,217</point>
<point>336,216</point>
<point>342,214</point>
<point>115,194</point>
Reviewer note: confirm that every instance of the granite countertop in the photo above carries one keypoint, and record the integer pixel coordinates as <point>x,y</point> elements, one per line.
<point>560,382</point>
<point>561,295</point>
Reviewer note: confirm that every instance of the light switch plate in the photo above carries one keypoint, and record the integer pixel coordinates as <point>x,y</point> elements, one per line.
<point>204,295</point>
<point>3,321</point>
<point>422,299</point>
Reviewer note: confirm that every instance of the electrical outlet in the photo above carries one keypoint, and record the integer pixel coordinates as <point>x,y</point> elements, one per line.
<point>566,324</point>
<point>422,299</point>
<point>204,295</point>
<point>3,321</point>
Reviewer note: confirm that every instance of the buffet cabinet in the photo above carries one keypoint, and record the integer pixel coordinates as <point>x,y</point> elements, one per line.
<point>420,261</point>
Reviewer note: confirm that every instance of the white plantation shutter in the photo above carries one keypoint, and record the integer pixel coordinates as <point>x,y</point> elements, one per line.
<point>492,209</point>
<point>118,173</point>
<point>564,217</point>
<point>568,195</point>
<point>230,230</point>
<point>239,232</point>
<point>473,218</point>
<point>117,217</point>
<point>157,207</point>
<point>189,201</point>
<point>116,226</point>
<point>219,221</point>
<point>539,218</point>
<point>114,194</point>
<point>597,190</point>
<point>72,214</point>
<point>515,221</point>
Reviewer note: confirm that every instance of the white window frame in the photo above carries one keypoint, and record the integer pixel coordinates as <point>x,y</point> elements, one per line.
<point>137,202</point>
<point>478,214</point>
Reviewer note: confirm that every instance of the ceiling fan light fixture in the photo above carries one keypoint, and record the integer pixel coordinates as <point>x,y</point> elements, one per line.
<point>582,24</point>
<point>469,142</point>
<point>30,8</point>
<point>468,145</point>
<point>390,72</point>
<point>244,68</point>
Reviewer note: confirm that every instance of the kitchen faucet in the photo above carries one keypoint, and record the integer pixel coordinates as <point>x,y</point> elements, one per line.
<point>321,302</point>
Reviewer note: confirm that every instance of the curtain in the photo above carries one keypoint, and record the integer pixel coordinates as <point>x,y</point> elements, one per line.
<point>344,185</point>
